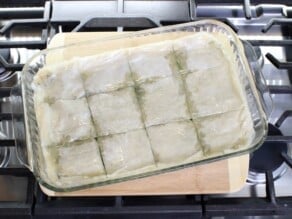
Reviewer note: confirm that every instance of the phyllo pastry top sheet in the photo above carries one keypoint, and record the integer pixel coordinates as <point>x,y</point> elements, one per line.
<point>140,109</point>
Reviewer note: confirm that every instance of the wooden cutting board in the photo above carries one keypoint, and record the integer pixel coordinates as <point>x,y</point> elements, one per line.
<point>223,176</point>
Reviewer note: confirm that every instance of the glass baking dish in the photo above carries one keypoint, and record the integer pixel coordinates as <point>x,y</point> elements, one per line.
<point>24,117</point>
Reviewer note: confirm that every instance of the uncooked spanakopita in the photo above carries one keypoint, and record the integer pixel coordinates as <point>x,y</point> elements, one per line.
<point>115,112</point>
<point>125,152</point>
<point>107,72</point>
<point>64,121</point>
<point>139,109</point>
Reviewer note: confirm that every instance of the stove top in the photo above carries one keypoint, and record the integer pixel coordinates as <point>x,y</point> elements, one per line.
<point>28,27</point>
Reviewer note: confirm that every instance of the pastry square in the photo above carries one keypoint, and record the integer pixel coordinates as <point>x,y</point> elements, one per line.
<point>149,62</point>
<point>173,143</point>
<point>126,152</point>
<point>64,121</point>
<point>228,130</point>
<point>80,159</point>
<point>198,52</point>
<point>58,82</point>
<point>115,112</point>
<point>212,91</point>
<point>106,72</point>
<point>163,101</point>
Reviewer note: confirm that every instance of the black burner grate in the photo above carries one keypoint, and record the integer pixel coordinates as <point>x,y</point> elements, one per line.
<point>38,205</point>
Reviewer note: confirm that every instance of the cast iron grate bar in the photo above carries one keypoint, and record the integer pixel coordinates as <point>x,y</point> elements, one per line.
<point>287,159</point>
<point>278,64</point>
<point>16,210</point>
<point>7,143</point>
<point>192,9</point>
<point>283,117</point>
<point>119,201</point>
<point>247,9</point>
<point>5,116</point>
<point>30,44</point>
<point>251,206</point>
<point>284,42</point>
<point>5,92</point>
<point>21,3</point>
<point>114,22</point>
<point>280,138</point>
<point>276,21</point>
<point>33,44</point>
<point>8,66</point>
<point>41,23</point>
<point>203,204</point>
<point>278,89</point>
<point>30,188</point>
<point>270,188</point>
<point>40,196</point>
<point>21,13</point>
<point>58,209</point>
<point>176,206</point>
<point>17,171</point>
<point>126,21</point>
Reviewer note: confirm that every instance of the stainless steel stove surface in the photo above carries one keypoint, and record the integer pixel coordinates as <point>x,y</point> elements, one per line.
<point>266,25</point>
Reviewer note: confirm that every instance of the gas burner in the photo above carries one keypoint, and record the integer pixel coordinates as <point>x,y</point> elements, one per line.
<point>6,132</point>
<point>5,53</point>
<point>7,79</point>
<point>268,158</point>
<point>10,56</point>
<point>4,157</point>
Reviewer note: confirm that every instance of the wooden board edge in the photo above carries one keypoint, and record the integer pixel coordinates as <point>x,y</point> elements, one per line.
<point>238,171</point>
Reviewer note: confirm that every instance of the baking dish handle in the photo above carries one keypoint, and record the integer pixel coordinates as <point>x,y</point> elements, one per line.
<point>19,125</point>
<point>254,61</point>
